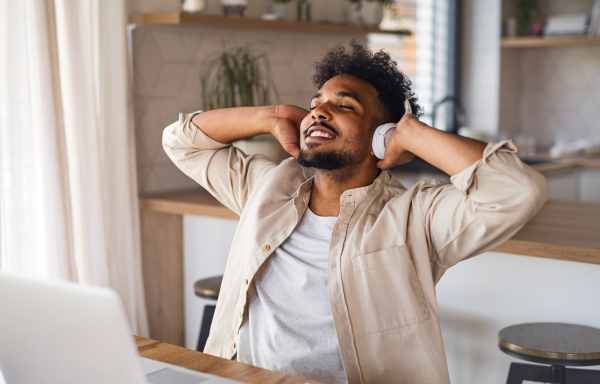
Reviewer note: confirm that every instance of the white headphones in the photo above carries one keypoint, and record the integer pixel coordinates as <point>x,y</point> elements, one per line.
<point>384,132</point>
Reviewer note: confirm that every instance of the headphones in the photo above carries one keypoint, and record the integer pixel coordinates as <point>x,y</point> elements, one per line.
<point>384,132</point>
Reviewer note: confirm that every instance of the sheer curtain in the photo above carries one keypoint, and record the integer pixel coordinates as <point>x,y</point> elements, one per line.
<point>68,193</point>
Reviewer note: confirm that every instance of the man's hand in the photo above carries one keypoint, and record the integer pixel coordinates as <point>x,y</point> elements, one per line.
<point>395,152</point>
<point>287,127</point>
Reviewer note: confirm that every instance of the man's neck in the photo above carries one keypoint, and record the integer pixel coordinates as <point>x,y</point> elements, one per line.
<point>328,187</point>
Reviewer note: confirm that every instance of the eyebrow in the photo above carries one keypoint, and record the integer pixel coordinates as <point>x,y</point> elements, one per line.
<point>340,94</point>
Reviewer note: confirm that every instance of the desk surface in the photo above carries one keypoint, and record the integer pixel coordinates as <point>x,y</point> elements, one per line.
<point>203,362</point>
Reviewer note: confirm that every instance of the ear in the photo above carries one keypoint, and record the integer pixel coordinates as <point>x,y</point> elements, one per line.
<point>372,153</point>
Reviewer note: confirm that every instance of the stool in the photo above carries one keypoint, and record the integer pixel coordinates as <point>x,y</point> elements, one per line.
<point>555,344</point>
<point>208,289</point>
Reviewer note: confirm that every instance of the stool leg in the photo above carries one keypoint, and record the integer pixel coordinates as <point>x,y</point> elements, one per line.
<point>558,374</point>
<point>519,372</point>
<point>207,317</point>
<point>582,376</point>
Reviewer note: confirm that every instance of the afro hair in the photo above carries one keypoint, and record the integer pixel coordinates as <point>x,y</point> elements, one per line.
<point>377,69</point>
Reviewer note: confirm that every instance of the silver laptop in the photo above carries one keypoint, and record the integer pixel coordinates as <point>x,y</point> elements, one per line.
<point>60,332</point>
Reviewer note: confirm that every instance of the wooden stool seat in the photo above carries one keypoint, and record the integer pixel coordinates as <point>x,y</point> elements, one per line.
<point>208,288</point>
<point>552,343</point>
<point>555,344</point>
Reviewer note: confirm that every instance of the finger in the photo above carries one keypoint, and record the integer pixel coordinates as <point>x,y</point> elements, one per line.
<point>293,150</point>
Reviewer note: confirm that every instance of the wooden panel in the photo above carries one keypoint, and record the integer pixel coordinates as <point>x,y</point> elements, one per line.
<point>573,226</point>
<point>199,203</point>
<point>246,23</point>
<point>203,362</point>
<point>162,266</point>
<point>540,42</point>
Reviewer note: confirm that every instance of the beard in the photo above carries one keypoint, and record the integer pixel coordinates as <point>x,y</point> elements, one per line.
<point>329,161</point>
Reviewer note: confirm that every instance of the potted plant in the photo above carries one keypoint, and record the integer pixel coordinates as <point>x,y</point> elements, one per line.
<point>526,12</point>
<point>240,78</point>
<point>366,12</point>
<point>279,8</point>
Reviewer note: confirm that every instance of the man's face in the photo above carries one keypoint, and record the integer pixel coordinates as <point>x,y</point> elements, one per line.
<point>338,131</point>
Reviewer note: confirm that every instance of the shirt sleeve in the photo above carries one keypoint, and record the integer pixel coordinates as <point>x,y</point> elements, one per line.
<point>486,204</point>
<point>223,170</point>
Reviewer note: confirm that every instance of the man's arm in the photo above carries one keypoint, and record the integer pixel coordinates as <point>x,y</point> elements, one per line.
<point>492,195</point>
<point>450,153</point>
<point>231,124</point>
<point>199,144</point>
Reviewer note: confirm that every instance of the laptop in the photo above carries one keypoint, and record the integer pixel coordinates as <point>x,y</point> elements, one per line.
<point>57,332</point>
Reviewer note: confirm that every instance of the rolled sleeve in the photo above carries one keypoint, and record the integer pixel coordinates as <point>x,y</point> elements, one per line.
<point>486,204</point>
<point>223,170</point>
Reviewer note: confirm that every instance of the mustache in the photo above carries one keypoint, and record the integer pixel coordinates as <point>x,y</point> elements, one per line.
<point>322,124</point>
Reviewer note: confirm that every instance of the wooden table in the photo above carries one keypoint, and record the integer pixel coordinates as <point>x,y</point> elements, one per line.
<point>203,362</point>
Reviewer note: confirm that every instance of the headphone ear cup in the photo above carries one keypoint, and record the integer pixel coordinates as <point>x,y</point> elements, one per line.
<point>379,139</point>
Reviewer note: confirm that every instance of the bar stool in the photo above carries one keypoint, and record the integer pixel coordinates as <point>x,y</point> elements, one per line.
<point>208,289</point>
<point>555,344</point>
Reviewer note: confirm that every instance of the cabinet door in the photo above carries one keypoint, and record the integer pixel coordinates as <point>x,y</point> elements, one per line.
<point>563,186</point>
<point>589,186</point>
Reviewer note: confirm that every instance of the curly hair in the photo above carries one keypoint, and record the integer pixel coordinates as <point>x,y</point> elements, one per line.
<point>377,69</point>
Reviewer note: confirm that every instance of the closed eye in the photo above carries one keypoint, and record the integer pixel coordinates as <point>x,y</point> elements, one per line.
<point>346,106</point>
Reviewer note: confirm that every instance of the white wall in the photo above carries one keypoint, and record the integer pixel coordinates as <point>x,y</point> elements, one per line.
<point>206,243</point>
<point>480,57</point>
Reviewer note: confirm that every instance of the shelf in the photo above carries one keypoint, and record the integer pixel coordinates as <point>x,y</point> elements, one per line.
<point>541,42</point>
<point>246,23</point>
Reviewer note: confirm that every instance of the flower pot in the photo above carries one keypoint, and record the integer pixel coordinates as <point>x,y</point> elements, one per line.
<point>278,9</point>
<point>365,13</point>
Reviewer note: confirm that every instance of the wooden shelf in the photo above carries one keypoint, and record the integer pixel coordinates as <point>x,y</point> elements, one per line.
<point>541,42</point>
<point>246,23</point>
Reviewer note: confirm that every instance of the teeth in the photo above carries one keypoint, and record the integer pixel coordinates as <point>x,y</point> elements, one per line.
<point>320,134</point>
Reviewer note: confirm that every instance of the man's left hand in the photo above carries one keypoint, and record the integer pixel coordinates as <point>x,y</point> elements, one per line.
<point>395,152</point>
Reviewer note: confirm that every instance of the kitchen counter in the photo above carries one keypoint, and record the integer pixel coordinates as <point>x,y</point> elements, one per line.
<point>562,230</point>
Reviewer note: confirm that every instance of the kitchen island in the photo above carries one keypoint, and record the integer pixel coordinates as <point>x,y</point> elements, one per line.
<point>186,236</point>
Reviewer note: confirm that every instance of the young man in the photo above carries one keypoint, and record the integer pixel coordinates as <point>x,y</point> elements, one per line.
<point>332,271</point>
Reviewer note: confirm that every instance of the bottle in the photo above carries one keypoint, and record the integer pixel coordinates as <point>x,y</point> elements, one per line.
<point>303,10</point>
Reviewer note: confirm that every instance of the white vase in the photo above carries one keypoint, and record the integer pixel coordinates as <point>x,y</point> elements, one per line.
<point>278,9</point>
<point>370,13</point>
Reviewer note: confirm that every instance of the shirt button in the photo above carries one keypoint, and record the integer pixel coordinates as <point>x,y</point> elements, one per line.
<point>241,315</point>
<point>245,281</point>
<point>487,161</point>
<point>266,247</point>
<point>233,345</point>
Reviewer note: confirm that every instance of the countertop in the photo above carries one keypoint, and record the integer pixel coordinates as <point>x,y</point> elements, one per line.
<point>562,230</point>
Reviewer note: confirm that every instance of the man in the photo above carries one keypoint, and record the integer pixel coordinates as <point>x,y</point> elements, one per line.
<point>332,271</point>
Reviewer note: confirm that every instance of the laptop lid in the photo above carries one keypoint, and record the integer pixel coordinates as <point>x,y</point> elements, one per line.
<point>62,332</point>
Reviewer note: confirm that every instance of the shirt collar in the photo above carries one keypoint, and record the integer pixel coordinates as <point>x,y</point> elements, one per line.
<point>355,194</point>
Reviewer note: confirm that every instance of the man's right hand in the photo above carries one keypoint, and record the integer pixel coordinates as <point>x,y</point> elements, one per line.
<point>287,127</point>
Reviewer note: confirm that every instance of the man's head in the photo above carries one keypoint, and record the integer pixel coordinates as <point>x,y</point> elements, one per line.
<point>358,91</point>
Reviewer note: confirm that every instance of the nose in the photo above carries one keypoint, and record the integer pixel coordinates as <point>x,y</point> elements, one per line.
<point>321,112</point>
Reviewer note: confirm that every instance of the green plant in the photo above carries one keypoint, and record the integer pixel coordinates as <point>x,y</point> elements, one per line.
<point>236,78</point>
<point>525,12</point>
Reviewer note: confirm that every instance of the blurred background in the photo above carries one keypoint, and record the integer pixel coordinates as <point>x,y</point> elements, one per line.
<point>88,194</point>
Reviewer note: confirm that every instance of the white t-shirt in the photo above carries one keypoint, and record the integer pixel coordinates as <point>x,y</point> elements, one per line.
<point>288,326</point>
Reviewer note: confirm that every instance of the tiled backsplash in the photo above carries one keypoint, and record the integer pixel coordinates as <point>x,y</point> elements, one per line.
<point>551,93</point>
<point>166,74</point>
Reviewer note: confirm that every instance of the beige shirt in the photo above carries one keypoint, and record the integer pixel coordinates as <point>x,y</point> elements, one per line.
<point>389,246</point>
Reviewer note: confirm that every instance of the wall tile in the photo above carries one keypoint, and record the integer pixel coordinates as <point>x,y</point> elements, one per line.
<point>171,45</point>
<point>147,64</point>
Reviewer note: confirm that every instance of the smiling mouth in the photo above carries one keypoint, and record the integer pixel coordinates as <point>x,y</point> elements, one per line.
<point>317,133</point>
